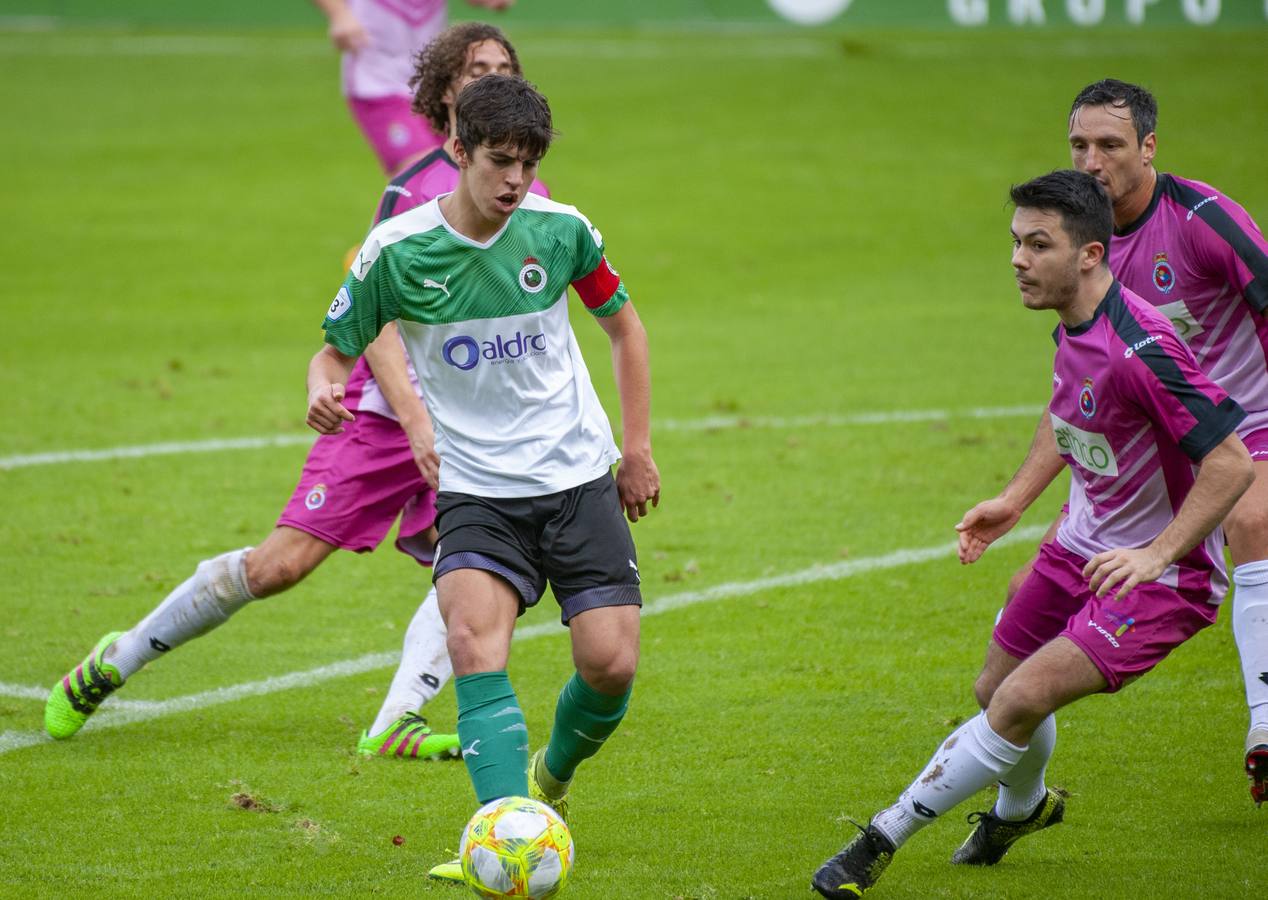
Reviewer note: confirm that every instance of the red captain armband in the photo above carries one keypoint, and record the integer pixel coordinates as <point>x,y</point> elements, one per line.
<point>598,287</point>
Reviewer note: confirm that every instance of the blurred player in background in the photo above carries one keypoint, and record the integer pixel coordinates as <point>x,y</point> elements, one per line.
<point>353,487</point>
<point>378,40</point>
<point>478,283</point>
<point>1202,261</point>
<point>1156,465</point>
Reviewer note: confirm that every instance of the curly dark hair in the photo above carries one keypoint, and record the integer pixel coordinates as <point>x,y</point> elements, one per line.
<point>439,63</point>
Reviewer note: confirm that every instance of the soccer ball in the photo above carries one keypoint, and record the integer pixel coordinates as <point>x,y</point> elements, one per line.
<point>516,847</point>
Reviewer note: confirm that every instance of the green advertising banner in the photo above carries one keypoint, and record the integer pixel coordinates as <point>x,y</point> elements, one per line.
<point>838,14</point>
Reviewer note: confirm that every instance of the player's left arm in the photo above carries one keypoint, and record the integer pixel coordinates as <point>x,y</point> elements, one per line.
<point>637,479</point>
<point>1163,380</point>
<point>1224,474</point>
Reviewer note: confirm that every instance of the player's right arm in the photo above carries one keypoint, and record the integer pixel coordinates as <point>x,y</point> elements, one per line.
<point>365,304</point>
<point>327,375</point>
<point>992,519</point>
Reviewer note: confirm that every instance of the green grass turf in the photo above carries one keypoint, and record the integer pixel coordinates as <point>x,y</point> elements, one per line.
<point>809,224</point>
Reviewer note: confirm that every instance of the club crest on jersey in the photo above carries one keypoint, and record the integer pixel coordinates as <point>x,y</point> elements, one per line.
<point>532,276</point>
<point>316,498</point>
<point>1164,275</point>
<point>1087,400</point>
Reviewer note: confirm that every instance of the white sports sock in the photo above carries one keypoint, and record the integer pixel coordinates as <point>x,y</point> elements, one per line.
<point>1025,788</point>
<point>424,667</point>
<point>1250,630</point>
<point>217,589</point>
<point>970,759</point>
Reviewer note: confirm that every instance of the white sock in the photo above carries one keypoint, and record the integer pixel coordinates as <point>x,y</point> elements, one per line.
<point>424,667</point>
<point>970,759</point>
<point>217,589</point>
<point>1025,788</point>
<point>1250,630</point>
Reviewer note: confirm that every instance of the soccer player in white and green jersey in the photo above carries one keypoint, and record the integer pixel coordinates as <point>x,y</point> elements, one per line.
<point>476,281</point>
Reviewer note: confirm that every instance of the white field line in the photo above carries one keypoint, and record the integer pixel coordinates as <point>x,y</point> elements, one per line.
<point>120,713</point>
<point>708,423</point>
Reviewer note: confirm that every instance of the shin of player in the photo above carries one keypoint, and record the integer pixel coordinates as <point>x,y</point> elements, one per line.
<point>1130,416</point>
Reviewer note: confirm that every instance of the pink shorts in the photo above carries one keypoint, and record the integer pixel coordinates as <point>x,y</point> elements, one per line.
<point>355,484</point>
<point>1123,638</point>
<point>395,133</point>
<point>1257,443</point>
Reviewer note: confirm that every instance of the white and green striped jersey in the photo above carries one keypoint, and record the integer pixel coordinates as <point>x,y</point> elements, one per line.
<point>486,325</point>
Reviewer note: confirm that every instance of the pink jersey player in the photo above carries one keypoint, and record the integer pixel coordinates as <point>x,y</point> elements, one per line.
<point>1202,261</point>
<point>1132,414</point>
<point>379,40</point>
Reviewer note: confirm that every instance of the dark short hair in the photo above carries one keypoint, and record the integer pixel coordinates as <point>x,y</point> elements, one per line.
<point>1131,97</point>
<point>439,64</point>
<point>504,111</point>
<point>1086,213</point>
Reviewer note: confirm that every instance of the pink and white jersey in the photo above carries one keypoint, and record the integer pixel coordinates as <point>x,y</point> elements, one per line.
<point>1202,261</point>
<point>397,29</point>
<point>1133,414</point>
<point>426,179</point>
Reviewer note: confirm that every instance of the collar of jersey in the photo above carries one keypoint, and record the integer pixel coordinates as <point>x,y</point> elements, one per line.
<point>470,242</point>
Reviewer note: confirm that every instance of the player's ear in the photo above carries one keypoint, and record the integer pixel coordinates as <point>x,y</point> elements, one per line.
<point>460,153</point>
<point>1093,255</point>
<point>1149,147</point>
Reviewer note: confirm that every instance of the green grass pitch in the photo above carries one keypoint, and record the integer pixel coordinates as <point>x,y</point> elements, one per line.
<point>814,227</point>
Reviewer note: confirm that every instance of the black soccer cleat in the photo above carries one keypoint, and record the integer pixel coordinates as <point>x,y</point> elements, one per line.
<point>993,836</point>
<point>1257,764</point>
<point>856,868</point>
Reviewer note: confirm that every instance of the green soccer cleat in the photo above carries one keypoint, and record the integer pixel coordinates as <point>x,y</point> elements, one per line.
<point>993,836</point>
<point>856,868</point>
<point>77,696</point>
<point>409,737</point>
<point>448,871</point>
<point>535,791</point>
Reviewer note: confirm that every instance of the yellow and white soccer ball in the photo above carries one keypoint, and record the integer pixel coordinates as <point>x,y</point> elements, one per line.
<point>516,847</point>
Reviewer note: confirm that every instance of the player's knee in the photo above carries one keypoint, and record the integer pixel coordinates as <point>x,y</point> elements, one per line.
<point>611,674</point>
<point>269,573</point>
<point>470,652</point>
<point>1017,707</point>
<point>984,688</point>
<point>1247,524</point>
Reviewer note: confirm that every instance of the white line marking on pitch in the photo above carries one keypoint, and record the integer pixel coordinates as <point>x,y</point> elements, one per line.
<point>709,423</point>
<point>120,713</point>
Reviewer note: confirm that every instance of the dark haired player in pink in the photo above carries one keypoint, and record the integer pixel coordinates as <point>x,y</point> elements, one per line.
<point>1137,567</point>
<point>1200,259</point>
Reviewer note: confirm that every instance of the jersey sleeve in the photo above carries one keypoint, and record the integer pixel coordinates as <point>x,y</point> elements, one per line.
<point>1164,380</point>
<point>365,303</point>
<point>1231,247</point>
<point>594,279</point>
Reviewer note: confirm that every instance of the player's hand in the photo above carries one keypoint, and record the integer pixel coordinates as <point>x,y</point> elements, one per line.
<point>422,443</point>
<point>1123,569</point>
<point>498,5</point>
<point>347,33</point>
<point>637,482</point>
<point>326,412</point>
<point>984,524</point>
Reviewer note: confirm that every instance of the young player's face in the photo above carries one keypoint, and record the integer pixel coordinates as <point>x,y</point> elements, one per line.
<point>483,58</point>
<point>498,179</point>
<point>1045,261</point>
<point>1103,144</point>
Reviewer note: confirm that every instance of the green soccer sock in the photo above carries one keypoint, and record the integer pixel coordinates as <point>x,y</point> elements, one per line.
<point>584,719</point>
<point>493,735</point>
